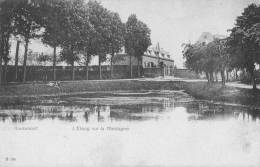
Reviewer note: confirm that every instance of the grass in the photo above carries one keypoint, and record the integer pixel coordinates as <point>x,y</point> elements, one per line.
<point>84,86</point>
<point>200,90</point>
<point>216,92</point>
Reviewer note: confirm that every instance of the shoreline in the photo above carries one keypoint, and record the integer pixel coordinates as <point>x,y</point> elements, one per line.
<point>14,94</point>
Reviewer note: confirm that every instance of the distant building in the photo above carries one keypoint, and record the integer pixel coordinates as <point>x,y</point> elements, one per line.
<point>154,57</point>
<point>207,37</point>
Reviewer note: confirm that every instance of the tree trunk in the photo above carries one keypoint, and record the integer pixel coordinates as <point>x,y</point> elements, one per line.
<point>111,66</point>
<point>227,76</point>
<point>223,77</point>
<point>25,59</point>
<point>253,79</point>
<point>73,71</point>
<point>138,67</point>
<point>207,76</point>
<point>211,77</point>
<point>87,70</point>
<point>1,71</point>
<point>5,72</point>
<point>254,84</point>
<point>131,69</point>
<point>236,75</point>
<point>216,76</point>
<point>16,59</point>
<point>99,67</point>
<point>54,63</point>
<point>141,66</point>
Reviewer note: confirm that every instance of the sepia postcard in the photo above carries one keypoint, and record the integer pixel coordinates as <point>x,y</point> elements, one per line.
<point>129,83</point>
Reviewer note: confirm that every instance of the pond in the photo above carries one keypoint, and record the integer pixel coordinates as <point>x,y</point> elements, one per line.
<point>146,128</point>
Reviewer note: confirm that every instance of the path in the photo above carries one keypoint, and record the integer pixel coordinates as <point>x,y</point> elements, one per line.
<point>170,78</point>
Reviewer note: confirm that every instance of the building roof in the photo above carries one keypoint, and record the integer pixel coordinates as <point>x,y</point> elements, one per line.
<point>207,37</point>
<point>158,51</point>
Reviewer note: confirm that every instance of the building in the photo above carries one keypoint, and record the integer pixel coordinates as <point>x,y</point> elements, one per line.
<point>154,57</point>
<point>155,62</point>
<point>207,37</point>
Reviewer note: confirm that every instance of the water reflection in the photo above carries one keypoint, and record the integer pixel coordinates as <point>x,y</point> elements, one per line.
<point>183,131</point>
<point>210,111</point>
<point>116,108</point>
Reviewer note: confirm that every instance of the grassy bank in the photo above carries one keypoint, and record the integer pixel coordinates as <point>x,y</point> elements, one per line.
<point>216,92</point>
<point>200,90</point>
<point>85,86</point>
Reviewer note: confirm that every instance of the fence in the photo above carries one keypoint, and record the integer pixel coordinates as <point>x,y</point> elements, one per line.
<point>45,73</point>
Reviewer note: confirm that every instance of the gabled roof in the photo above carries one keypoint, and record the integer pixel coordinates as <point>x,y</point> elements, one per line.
<point>158,51</point>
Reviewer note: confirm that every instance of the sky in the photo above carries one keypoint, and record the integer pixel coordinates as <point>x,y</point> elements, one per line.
<point>174,22</point>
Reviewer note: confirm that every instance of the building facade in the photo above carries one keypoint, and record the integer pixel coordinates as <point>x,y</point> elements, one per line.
<point>154,57</point>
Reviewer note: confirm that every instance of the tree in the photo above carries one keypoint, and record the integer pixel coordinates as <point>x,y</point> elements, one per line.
<point>195,58</point>
<point>76,26</point>
<point>43,58</point>
<point>244,41</point>
<point>99,18</point>
<point>218,52</point>
<point>27,24</point>
<point>137,40</point>
<point>199,60</point>
<point>208,58</point>
<point>16,59</point>
<point>70,55</point>
<point>115,38</point>
<point>1,59</point>
<point>54,30</point>
<point>143,42</point>
<point>6,29</point>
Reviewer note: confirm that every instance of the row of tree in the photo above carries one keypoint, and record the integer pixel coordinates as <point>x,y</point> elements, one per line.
<point>210,58</point>
<point>239,51</point>
<point>78,28</point>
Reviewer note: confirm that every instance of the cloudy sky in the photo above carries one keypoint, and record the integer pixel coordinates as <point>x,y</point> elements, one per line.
<point>173,22</point>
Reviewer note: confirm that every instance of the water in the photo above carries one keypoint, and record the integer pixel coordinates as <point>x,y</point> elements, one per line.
<point>149,128</point>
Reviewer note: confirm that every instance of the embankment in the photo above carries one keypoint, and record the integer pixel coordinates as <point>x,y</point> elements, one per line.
<point>32,91</point>
<point>219,93</point>
<point>200,90</point>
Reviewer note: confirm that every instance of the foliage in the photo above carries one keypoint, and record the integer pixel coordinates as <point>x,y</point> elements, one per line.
<point>68,55</point>
<point>244,41</point>
<point>208,58</point>
<point>98,41</point>
<point>43,58</point>
<point>116,33</point>
<point>75,26</point>
<point>6,28</point>
<point>194,55</point>
<point>137,37</point>
<point>27,21</point>
<point>219,52</point>
<point>54,12</point>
